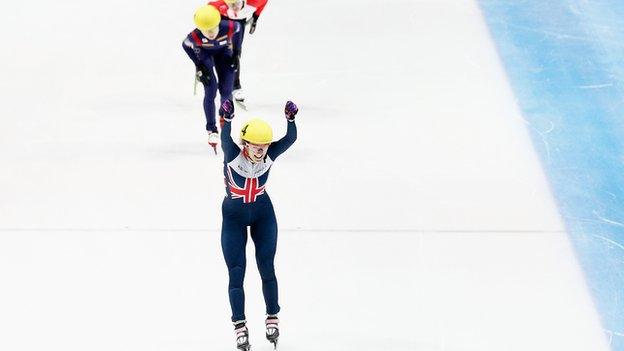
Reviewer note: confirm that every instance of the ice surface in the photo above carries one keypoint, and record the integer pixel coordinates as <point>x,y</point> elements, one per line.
<point>413,211</point>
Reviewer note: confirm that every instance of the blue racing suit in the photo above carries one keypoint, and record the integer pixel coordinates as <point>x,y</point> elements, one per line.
<point>246,204</point>
<point>208,56</point>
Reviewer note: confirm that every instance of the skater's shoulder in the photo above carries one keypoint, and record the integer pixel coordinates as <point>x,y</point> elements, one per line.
<point>243,15</point>
<point>228,26</point>
<point>196,37</point>
<point>258,4</point>
<point>221,6</point>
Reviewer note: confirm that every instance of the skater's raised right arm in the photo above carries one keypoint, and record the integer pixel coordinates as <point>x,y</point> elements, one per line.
<point>230,149</point>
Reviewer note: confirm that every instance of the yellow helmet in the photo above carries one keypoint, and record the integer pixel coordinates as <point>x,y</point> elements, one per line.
<point>230,2</point>
<point>257,131</point>
<point>207,17</point>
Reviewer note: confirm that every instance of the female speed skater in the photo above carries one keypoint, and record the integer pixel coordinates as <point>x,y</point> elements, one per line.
<point>246,204</point>
<point>244,12</point>
<point>210,48</point>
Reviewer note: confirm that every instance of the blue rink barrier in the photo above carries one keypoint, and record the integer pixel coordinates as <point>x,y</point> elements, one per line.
<point>565,63</point>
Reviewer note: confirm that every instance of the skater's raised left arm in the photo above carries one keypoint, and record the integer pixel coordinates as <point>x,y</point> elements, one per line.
<point>278,147</point>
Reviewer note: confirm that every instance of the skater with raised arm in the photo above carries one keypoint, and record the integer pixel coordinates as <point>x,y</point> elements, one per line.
<point>246,13</point>
<point>210,48</point>
<point>246,204</point>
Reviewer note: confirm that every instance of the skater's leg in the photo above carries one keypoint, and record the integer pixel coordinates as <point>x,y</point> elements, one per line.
<point>237,68</point>
<point>210,92</point>
<point>225,72</point>
<point>237,43</point>
<point>233,242</point>
<point>264,235</point>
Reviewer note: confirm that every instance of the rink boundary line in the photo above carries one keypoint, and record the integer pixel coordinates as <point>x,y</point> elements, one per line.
<point>313,230</point>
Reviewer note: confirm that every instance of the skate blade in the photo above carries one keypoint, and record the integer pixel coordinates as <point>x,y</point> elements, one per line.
<point>241,104</point>
<point>214,147</point>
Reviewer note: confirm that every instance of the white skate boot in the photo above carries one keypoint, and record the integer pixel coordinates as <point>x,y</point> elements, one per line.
<point>242,336</point>
<point>213,140</point>
<point>272,330</point>
<point>239,98</point>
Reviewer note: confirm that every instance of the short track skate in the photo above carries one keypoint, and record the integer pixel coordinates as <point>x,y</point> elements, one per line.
<point>242,336</point>
<point>272,330</point>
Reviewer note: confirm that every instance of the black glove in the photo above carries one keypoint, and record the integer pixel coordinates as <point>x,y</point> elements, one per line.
<point>252,24</point>
<point>235,62</point>
<point>201,74</point>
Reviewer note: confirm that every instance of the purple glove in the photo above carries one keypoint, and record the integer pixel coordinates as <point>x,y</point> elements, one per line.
<point>290,110</point>
<point>226,111</point>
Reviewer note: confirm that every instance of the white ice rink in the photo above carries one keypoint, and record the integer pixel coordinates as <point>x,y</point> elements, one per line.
<point>413,212</point>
